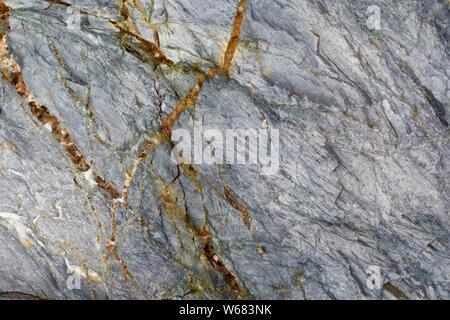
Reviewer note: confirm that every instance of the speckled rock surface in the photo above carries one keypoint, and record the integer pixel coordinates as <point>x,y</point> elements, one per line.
<point>92,207</point>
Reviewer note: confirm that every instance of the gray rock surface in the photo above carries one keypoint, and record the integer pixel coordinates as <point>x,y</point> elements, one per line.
<point>92,207</point>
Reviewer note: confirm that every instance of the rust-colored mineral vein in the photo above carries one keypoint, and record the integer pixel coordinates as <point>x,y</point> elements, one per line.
<point>19,294</point>
<point>127,27</point>
<point>143,44</point>
<point>203,233</point>
<point>138,5</point>
<point>396,292</point>
<point>62,3</point>
<point>164,134</point>
<point>235,35</point>
<point>299,282</point>
<point>123,9</point>
<point>227,194</point>
<point>13,75</point>
<point>4,11</point>
<point>231,199</point>
<point>188,101</point>
<point>221,268</point>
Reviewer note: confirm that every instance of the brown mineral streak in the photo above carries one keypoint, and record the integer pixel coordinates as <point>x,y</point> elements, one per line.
<point>13,75</point>
<point>111,246</point>
<point>124,9</point>
<point>144,44</point>
<point>192,96</point>
<point>396,292</point>
<point>169,202</point>
<point>217,263</point>
<point>165,132</point>
<point>206,237</point>
<point>44,116</point>
<point>18,294</point>
<point>126,28</point>
<point>4,11</point>
<point>188,101</point>
<point>235,35</point>
<point>238,206</point>
<point>123,266</point>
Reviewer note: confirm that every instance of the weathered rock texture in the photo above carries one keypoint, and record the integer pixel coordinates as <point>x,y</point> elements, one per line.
<point>88,190</point>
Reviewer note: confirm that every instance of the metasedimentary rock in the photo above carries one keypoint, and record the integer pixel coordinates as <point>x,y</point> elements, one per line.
<point>92,205</point>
